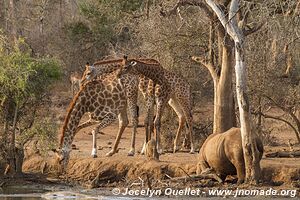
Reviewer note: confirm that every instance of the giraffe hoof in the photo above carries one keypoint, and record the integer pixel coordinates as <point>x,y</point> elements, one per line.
<point>109,154</point>
<point>94,156</point>
<point>160,151</point>
<point>176,149</point>
<point>130,153</point>
<point>192,152</point>
<point>143,149</point>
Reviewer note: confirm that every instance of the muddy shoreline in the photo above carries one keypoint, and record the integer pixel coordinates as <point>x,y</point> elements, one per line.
<point>137,173</point>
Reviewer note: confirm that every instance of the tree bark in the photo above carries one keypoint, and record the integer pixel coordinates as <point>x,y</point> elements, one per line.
<point>8,149</point>
<point>12,145</point>
<point>251,153</point>
<point>12,18</point>
<point>2,14</point>
<point>224,111</point>
<point>224,116</point>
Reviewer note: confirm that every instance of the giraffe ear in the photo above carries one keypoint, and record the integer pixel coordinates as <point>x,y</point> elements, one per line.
<point>125,57</point>
<point>87,65</point>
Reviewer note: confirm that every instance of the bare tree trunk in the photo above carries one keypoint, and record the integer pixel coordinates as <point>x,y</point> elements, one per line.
<point>251,153</point>
<point>12,145</point>
<point>288,60</point>
<point>19,158</point>
<point>224,95</point>
<point>224,111</point>
<point>12,18</point>
<point>297,122</point>
<point>2,13</point>
<point>9,147</point>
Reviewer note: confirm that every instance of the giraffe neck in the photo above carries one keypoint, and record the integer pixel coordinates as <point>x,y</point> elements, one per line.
<point>152,71</point>
<point>105,67</point>
<point>75,112</point>
<point>102,69</point>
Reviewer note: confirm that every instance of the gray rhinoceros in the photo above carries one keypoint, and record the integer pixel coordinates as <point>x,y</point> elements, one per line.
<point>223,154</point>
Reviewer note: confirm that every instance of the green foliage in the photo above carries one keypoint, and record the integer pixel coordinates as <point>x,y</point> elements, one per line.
<point>77,29</point>
<point>130,5</point>
<point>104,18</point>
<point>43,132</point>
<point>24,84</point>
<point>22,76</point>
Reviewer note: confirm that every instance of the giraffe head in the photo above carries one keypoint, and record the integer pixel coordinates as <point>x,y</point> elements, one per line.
<point>196,59</point>
<point>62,158</point>
<point>128,66</point>
<point>88,74</point>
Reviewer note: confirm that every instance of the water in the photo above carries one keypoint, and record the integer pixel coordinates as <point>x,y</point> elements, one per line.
<point>58,192</point>
<point>22,192</point>
<point>38,192</point>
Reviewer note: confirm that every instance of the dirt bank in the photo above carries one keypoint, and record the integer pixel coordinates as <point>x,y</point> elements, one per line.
<point>121,171</point>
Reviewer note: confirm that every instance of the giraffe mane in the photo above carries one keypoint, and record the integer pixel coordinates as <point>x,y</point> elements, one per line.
<point>119,60</point>
<point>103,62</point>
<point>149,61</point>
<point>70,108</point>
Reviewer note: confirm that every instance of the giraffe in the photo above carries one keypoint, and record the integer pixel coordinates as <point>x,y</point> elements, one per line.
<point>173,90</point>
<point>75,80</point>
<point>105,100</point>
<point>131,84</point>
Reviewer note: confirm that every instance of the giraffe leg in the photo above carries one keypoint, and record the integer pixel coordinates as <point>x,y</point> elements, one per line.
<point>161,104</point>
<point>123,122</point>
<point>94,150</point>
<point>134,120</point>
<point>190,129</point>
<point>87,124</point>
<point>185,105</point>
<point>176,107</point>
<point>108,119</point>
<point>148,121</point>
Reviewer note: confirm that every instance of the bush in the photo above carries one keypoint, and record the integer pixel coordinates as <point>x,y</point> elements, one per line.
<point>24,84</point>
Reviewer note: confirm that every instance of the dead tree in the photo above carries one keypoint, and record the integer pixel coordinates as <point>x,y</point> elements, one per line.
<point>230,24</point>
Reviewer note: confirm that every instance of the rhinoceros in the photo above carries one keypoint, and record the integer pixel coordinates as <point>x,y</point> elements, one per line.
<point>223,154</point>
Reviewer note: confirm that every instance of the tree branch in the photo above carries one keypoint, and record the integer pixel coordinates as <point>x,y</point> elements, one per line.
<point>275,103</point>
<point>209,66</point>
<point>283,120</point>
<point>180,3</point>
<point>230,26</point>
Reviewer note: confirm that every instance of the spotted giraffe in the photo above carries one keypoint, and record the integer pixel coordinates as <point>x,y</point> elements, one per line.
<point>105,100</point>
<point>173,90</point>
<point>131,84</point>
